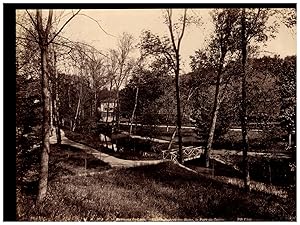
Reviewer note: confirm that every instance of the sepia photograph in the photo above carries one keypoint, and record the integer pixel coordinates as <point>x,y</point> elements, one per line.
<point>163,113</point>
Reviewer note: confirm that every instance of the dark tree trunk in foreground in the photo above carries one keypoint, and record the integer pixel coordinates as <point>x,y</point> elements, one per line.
<point>46,128</point>
<point>43,182</point>
<point>44,41</point>
<point>177,70</point>
<point>244,106</point>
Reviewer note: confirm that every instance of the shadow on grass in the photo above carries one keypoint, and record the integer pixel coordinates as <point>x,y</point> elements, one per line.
<point>194,196</point>
<point>157,192</point>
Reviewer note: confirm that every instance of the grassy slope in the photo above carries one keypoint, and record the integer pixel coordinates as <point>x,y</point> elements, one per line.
<point>63,161</point>
<point>161,192</point>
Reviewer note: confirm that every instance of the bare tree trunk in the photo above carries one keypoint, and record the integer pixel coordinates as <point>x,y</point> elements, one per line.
<point>244,106</point>
<point>177,70</point>
<point>51,106</point>
<point>69,97</point>
<point>180,159</point>
<point>56,104</point>
<point>184,108</point>
<point>95,113</point>
<point>215,113</point>
<point>43,182</point>
<point>44,42</point>
<point>77,110</point>
<point>57,121</point>
<point>211,132</point>
<point>172,138</point>
<point>134,109</point>
<point>118,110</point>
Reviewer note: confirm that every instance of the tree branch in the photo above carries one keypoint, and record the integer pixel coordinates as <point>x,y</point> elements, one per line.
<point>169,12</point>
<point>48,27</point>
<point>29,31</point>
<point>32,20</point>
<point>57,33</point>
<point>183,28</point>
<point>97,24</point>
<point>39,24</point>
<point>248,38</point>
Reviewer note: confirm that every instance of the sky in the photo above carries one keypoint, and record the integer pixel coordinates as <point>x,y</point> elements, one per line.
<point>134,21</point>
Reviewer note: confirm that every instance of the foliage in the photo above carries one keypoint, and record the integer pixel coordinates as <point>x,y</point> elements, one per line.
<point>288,94</point>
<point>155,95</point>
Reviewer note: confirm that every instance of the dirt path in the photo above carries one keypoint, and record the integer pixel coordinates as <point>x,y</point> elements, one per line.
<point>111,160</point>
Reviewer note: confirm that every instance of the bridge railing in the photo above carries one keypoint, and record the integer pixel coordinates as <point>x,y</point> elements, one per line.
<point>189,153</point>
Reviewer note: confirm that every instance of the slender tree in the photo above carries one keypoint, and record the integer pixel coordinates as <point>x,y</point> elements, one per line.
<point>254,28</point>
<point>125,65</point>
<point>137,70</point>
<point>45,37</point>
<point>176,50</point>
<point>244,104</point>
<point>221,45</point>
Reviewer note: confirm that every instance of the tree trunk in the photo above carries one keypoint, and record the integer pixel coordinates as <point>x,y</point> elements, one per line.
<point>57,122</point>
<point>244,106</point>
<point>43,181</point>
<point>177,69</point>
<point>95,113</point>
<point>56,104</point>
<point>134,109</point>
<point>211,132</point>
<point>215,113</point>
<point>174,132</point>
<point>77,110</point>
<point>118,110</point>
<point>69,97</point>
<point>172,138</point>
<point>51,107</point>
<point>180,159</point>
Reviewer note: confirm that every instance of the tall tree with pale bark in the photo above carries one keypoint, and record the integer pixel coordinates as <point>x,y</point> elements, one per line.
<point>222,44</point>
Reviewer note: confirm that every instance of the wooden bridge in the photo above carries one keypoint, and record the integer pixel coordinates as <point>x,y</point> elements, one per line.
<point>188,153</point>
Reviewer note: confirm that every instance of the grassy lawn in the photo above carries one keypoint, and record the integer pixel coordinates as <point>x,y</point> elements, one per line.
<point>64,161</point>
<point>159,192</point>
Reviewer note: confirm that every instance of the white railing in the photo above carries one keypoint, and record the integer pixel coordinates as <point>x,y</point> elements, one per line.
<point>189,153</point>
